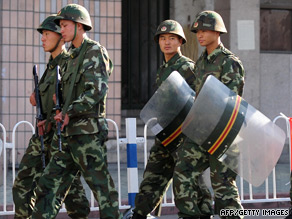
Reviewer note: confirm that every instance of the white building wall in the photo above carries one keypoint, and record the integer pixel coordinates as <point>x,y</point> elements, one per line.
<point>268,75</point>
<point>275,81</point>
<point>248,11</point>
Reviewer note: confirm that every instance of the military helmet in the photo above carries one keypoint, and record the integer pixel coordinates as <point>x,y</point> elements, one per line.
<point>49,24</point>
<point>170,26</point>
<point>208,20</point>
<point>76,13</point>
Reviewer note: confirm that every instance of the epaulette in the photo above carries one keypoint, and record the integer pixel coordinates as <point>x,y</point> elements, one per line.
<point>186,59</point>
<point>226,51</point>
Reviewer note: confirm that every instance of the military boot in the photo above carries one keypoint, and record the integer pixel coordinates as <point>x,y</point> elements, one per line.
<point>194,217</point>
<point>290,214</point>
<point>138,216</point>
<point>130,214</point>
<point>206,217</point>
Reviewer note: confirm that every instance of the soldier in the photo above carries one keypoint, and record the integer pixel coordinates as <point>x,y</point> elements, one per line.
<point>84,90</point>
<point>161,165</point>
<point>218,61</point>
<point>31,168</point>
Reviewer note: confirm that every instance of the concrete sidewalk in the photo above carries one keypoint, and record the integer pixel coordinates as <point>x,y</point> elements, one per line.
<point>256,216</point>
<point>217,217</point>
<point>282,187</point>
<point>260,212</point>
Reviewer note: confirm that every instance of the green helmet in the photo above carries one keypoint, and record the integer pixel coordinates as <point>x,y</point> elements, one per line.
<point>208,20</point>
<point>170,26</point>
<point>49,24</point>
<point>76,13</point>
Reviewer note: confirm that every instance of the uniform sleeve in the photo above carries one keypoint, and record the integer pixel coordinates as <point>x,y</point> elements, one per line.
<point>95,72</point>
<point>187,71</point>
<point>233,75</point>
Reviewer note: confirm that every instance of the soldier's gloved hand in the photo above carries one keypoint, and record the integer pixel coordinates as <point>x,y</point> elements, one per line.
<point>32,99</point>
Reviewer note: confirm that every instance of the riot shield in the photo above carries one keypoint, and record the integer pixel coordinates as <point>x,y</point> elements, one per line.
<point>235,132</point>
<point>170,105</point>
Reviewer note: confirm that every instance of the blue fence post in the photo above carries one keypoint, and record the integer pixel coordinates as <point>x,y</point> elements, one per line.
<point>132,163</point>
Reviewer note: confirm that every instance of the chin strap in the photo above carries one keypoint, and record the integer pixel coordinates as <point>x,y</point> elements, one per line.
<point>56,46</point>
<point>75,31</point>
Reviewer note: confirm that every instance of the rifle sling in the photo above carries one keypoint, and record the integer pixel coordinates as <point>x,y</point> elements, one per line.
<point>75,72</point>
<point>50,104</point>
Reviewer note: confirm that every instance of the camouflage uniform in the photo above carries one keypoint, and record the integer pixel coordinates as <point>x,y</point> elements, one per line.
<point>85,134</point>
<point>31,168</point>
<point>161,165</point>
<point>225,66</point>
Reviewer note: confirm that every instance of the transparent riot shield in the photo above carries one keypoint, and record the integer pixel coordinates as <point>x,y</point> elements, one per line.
<point>170,105</point>
<point>236,133</point>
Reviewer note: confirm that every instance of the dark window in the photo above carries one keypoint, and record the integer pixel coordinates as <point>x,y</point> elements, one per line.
<point>141,56</point>
<point>276,29</point>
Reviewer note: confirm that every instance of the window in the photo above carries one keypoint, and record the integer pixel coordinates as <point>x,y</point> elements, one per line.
<point>276,27</point>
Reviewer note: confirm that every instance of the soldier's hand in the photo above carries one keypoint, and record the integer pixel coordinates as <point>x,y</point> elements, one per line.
<point>41,127</point>
<point>66,121</point>
<point>58,117</point>
<point>54,99</point>
<point>32,99</point>
<point>49,127</point>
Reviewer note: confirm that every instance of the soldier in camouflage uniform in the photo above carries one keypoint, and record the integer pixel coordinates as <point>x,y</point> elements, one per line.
<point>84,90</point>
<point>31,168</point>
<point>161,165</point>
<point>218,61</point>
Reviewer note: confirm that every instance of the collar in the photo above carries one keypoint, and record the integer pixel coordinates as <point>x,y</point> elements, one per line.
<point>172,60</point>
<point>211,57</point>
<point>74,52</point>
<point>53,62</point>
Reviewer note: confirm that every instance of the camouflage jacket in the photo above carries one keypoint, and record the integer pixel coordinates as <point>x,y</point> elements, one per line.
<point>88,100</point>
<point>222,64</point>
<point>47,84</point>
<point>180,63</point>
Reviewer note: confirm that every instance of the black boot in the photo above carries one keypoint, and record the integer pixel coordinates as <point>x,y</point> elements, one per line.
<point>189,217</point>
<point>206,217</point>
<point>138,216</point>
<point>290,214</point>
<point>128,214</point>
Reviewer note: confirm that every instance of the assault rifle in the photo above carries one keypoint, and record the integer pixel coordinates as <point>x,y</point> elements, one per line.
<point>39,116</point>
<point>58,106</point>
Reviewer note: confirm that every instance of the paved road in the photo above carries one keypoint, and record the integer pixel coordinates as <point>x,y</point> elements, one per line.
<point>285,210</point>
<point>217,217</point>
<point>282,187</point>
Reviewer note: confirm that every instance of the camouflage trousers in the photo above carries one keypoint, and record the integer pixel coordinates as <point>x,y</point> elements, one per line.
<point>195,161</point>
<point>84,153</point>
<point>31,169</point>
<point>161,169</point>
